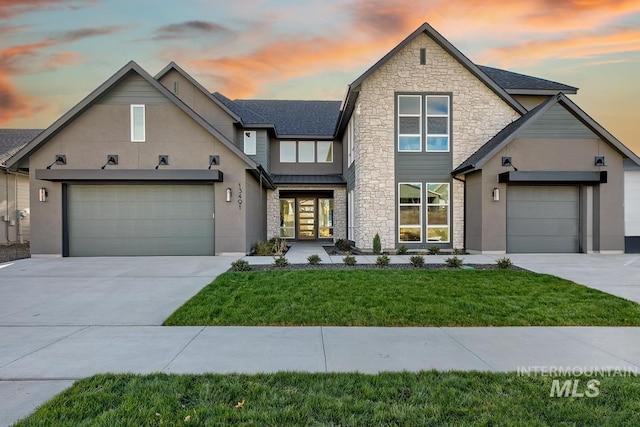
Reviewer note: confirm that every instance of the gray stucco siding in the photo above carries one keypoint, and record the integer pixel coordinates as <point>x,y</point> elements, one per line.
<point>133,90</point>
<point>558,123</point>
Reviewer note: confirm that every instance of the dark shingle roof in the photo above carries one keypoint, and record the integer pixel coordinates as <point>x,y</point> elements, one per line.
<point>12,140</point>
<point>515,83</point>
<point>290,118</point>
<point>308,179</point>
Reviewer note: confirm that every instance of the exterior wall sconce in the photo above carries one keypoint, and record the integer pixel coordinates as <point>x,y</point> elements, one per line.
<point>228,194</point>
<point>496,194</point>
<point>163,160</point>
<point>599,161</point>
<point>42,194</point>
<point>61,159</point>
<point>112,159</point>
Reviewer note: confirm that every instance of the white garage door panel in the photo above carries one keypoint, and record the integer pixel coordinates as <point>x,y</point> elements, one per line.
<point>542,219</point>
<point>122,220</point>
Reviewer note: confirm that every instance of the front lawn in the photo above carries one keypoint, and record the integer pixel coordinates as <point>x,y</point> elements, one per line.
<point>402,298</point>
<point>298,399</point>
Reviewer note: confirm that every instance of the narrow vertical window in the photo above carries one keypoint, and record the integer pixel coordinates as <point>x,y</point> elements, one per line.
<point>437,123</point>
<point>351,139</point>
<point>438,213</point>
<point>410,212</point>
<point>137,123</point>
<point>351,206</point>
<point>325,218</point>
<point>250,142</point>
<point>288,218</point>
<point>409,123</point>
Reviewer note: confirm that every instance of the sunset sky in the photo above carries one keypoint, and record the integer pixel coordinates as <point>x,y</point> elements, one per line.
<point>54,52</point>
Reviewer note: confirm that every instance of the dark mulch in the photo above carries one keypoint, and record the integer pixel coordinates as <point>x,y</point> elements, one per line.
<point>14,251</point>
<point>374,266</point>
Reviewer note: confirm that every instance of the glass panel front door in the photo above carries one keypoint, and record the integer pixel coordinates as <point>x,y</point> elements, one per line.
<point>306,219</point>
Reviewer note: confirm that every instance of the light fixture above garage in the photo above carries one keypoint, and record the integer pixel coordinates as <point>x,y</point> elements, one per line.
<point>112,159</point>
<point>506,161</point>
<point>61,159</point>
<point>213,160</point>
<point>599,161</point>
<point>163,160</point>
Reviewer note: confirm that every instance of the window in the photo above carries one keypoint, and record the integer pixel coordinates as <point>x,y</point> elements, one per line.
<point>437,123</point>
<point>351,215</point>
<point>438,213</point>
<point>325,151</point>
<point>288,151</point>
<point>137,123</point>
<point>325,217</point>
<point>410,212</point>
<point>409,123</point>
<point>351,140</point>
<point>306,152</point>
<point>288,218</point>
<point>250,142</point>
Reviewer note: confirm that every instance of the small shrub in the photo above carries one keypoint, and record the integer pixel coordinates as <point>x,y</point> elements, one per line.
<point>377,246</point>
<point>263,248</point>
<point>280,262</point>
<point>343,245</point>
<point>402,250</point>
<point>434,250</point>
<point>240,265</point>
<point>454,262</point>
<point>279,246</point>
<point>314,259</point>
<point>417,261</point>
<point>383,261</point>
<point>349,260</point>
<point>458,251</point>
<point>504,263</point>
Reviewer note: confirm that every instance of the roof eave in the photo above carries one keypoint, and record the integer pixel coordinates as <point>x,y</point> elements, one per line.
<point>541,92</point>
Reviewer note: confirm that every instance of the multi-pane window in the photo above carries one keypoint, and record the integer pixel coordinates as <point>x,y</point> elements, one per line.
<point>288,218</point>
<point>306,151</point>
<point>433,125</point>
<point>438,212</point>
<point>409,123</point>
<point>410,212</point>
<point>410,216</point>
<point>437,123</point>
<point>137,123</point>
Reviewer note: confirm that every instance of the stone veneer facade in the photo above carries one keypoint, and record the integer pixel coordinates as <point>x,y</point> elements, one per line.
<point>339,209</point>
<point>477,115</point>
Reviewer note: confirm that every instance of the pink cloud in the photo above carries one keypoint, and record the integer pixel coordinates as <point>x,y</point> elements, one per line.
<point>12,8</point>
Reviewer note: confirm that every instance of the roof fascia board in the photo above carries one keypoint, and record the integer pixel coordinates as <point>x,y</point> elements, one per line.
<point>173,66</point>
<point>534,92</point>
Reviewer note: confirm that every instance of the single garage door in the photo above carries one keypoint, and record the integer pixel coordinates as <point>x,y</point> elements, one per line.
<point>125,220</point>
<point>542,219</point>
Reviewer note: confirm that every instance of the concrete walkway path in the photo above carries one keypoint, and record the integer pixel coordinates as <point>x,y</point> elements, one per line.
<point>66,319</point>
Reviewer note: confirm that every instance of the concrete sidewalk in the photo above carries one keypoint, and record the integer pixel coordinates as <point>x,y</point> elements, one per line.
<point>66,319</point>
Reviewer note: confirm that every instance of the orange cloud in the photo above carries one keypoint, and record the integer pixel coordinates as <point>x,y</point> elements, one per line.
<point>574,46</point>
<point>13,8</point>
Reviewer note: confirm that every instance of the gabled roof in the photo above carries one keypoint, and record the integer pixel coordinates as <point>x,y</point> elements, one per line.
<point>290,119</point>
<point>12,140</point>
<point>83,105</point>
<point>173,66</point>
<point>444,44</point>
<point>477,160</point>
<point>521,84</point>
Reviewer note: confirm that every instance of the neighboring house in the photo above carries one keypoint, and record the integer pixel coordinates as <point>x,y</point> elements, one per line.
<point>14,188</point>
<point>427,149</point>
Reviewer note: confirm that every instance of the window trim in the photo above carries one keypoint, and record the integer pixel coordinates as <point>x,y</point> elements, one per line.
<point>419,226</point>
<point>132,109</point>
<point>426,126</point>
<point>448,205</point>
<point>420,119</point>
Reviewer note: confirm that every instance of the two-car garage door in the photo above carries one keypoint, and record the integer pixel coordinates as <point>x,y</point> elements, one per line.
<point>543,219</point>
<point>126,220</point>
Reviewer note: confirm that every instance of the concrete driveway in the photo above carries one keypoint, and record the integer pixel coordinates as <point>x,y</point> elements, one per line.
<point>101,291</point>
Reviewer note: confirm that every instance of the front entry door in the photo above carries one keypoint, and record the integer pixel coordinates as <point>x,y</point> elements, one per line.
<point>306,219</point>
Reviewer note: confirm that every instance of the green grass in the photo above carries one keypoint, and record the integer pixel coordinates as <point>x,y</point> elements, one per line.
<point>402,298</point>
<point>296,399</point>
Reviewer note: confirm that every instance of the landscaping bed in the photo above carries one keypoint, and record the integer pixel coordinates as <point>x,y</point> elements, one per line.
<point>301,399</point>
<point>14,251</point>
<point>401,297</point>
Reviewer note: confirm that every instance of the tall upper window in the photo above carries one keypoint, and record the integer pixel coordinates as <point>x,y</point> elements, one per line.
<point>137,123</point>
<point>409,123</point>
<point>423,117</point>
<point>437,123</point>
<point>250,142</point>
<point>410,212</point>
<point>351,140</point>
